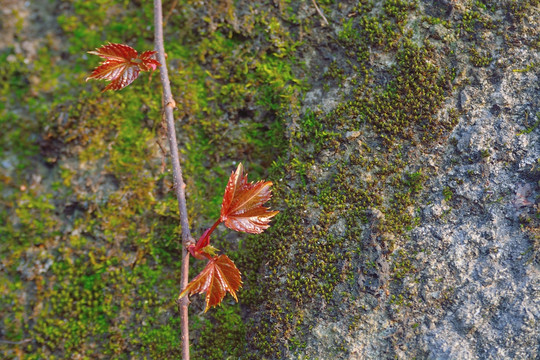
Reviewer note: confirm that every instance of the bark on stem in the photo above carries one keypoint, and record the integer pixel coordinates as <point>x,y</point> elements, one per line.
<point>168,107</point>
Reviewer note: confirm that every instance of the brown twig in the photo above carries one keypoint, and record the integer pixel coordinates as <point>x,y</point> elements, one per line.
<point>325,22</point>
<point>169,13</point>
<point>169,105</point>
<point>15,342</point>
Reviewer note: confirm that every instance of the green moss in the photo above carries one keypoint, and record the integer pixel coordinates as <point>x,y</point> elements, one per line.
<point>381,30</point>
<point>447,193</point>
<point>223,335</point>
<point>14,77</point>
<point>402,264</point>
<point>312,133</point>
<point>480,60</point>
<point>411,99</point>
<point>305,264</point>
<point>469,20</point>
<point>519,9</point>
<point>436,20</point>
<point>399,9</point>
<point>32,223</point>
<point>12,310</point>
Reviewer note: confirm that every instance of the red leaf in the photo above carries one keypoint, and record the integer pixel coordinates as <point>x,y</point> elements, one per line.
<point>122,65</point>
<point>219,276</point>
<point>242,208</point>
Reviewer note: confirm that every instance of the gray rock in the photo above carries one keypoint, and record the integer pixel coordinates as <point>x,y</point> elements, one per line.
<point>474,293</point>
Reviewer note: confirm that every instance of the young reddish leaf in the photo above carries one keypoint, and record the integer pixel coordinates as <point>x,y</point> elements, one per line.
<point>242,209</point>
<point>122,65</point>
<point>219,276</point>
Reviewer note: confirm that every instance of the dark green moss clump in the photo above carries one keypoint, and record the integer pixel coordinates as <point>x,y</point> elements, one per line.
<point>327,246</point>
<point>480,60</point>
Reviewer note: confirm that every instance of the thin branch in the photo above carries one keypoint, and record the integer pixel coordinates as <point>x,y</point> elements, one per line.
<point>169,105</point>
<point>169,13</point>
<point>15,342</point>
<point>325,22</point>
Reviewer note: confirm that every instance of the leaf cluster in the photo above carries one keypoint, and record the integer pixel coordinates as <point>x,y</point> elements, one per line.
<point>241,210</point>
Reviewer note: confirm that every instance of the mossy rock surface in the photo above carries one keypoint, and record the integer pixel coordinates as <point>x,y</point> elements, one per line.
<point>401,137</point>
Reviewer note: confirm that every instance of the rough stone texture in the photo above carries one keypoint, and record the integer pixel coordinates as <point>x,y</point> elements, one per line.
<point>475,289</point>
<point>478,248</point>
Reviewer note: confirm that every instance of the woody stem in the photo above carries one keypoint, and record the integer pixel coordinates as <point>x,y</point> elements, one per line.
<point>169,104</point>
